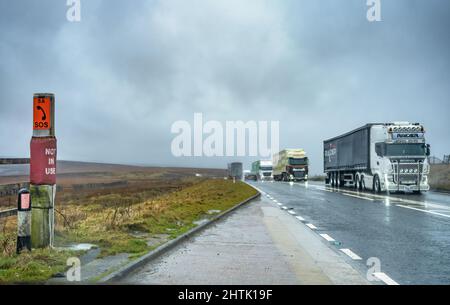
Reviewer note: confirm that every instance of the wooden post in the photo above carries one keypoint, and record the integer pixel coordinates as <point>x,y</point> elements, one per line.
<point>43,171</point>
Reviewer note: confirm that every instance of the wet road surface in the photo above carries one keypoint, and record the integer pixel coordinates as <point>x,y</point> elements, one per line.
<point>408,234</point>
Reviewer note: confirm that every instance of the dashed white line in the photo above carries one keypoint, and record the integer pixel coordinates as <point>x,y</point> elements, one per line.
<point>291,212</point>
<point>350,253</point>
<point>327,237</point>
<point>385,278</point>
<point>300,218</point>
<point>425,211</point>
<point>284,208</point>
<point>279,203</point>
<point>311,226</point>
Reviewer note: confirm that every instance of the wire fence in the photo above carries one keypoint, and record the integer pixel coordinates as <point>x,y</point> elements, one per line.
<point>436,160</point>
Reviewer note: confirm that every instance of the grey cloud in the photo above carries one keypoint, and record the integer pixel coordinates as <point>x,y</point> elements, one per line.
<point>125,73</point>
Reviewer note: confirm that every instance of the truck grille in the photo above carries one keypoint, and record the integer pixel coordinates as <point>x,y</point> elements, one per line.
<point>266,174</point>
<point>299,174</point>
<point>408,173</point>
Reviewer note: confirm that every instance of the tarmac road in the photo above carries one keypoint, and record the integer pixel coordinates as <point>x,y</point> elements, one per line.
<point>408,234</point>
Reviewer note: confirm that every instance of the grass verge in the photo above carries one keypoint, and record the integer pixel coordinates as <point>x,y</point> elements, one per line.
<point>120,224</point>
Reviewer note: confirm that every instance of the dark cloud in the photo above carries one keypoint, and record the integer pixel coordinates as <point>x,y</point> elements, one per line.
<point>129,69</point>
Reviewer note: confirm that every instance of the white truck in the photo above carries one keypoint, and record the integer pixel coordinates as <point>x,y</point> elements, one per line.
<point>262,170</point>
<point>380,157</point>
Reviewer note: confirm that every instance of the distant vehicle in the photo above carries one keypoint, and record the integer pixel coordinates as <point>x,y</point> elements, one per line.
<point>262,170</point>
<point>235,170</point>
<point>290,165</point>
<point>379,157</point>
<point>248,175</point>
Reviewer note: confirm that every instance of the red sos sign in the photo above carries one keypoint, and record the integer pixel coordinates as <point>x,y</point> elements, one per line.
<point>41,113</point>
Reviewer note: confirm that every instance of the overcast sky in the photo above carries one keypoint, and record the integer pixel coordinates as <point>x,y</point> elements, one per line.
<point>129,69</point>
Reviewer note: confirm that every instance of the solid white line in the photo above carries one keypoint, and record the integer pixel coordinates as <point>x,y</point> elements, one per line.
<point>291,212</point>
<point>351,254</point>
<point>385,278</point>
<point>300,218</point>
<point>354,196</point>
<point>311,226</point>
<point>425,211</point>
<point>327,237</point>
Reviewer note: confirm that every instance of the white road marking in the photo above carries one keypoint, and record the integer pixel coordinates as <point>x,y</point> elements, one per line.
<point>279,203</point>
<point>385,278</point>
<point>300,218</point>
<point>284,208</point>
<point>291,212</point>
<point>351,254</point>
<point>360,197</point>
<point>311,226</point>
<point>327,237</point>
<point>274,200</point>
<point>425,211</point>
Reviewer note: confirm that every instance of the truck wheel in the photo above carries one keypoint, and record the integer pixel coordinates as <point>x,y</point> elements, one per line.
<point>376,184</point>
<point>362,185</point>
<point>332,180</point>
<point>357,182</point>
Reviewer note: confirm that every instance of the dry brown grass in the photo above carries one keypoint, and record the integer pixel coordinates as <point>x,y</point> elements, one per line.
<point>440,177</point>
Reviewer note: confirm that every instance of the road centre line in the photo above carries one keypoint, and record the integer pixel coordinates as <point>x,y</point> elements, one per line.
<point>391,198</point>
<point>360,197</point>
<point>422,210</point>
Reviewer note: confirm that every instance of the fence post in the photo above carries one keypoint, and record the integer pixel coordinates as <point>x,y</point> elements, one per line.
<point>43,170</point>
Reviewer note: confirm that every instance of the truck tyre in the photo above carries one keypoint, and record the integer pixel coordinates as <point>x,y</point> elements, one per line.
<point>332,180</point>
<point>376,184</point>
<point>357,182</point>
<point>341,181</point>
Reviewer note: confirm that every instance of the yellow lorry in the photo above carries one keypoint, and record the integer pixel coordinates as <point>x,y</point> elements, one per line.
<point>290,165</point>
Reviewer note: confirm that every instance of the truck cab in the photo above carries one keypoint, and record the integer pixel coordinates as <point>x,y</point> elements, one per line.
<point>262,170</point>
<point>400,158</point>
<point>291,165</point>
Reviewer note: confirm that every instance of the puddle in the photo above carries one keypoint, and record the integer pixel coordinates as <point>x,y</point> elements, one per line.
<point>201,221</point>
<point>214,212</point>
<point>78,247</point>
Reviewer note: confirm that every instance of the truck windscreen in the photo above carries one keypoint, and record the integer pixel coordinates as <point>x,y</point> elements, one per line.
<point>266,168</point>
<point>298,161</point>
<point>405,150</point>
